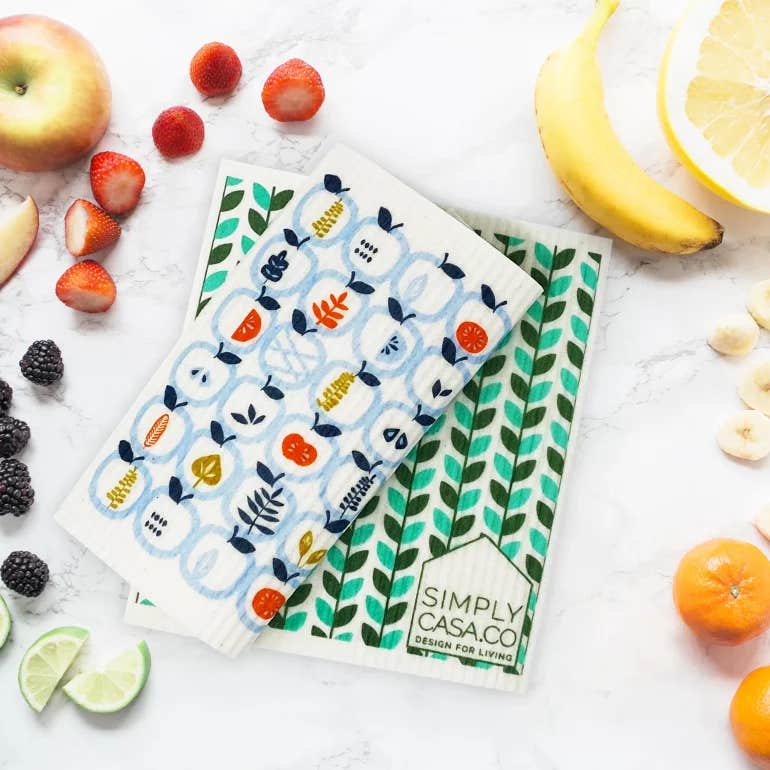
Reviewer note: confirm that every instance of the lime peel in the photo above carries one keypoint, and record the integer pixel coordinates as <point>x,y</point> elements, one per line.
<point>46,661</point>
<point>5,622</point>
<point>114,686</point>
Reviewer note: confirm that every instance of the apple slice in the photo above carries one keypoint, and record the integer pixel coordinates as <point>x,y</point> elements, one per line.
<point>18,230</point>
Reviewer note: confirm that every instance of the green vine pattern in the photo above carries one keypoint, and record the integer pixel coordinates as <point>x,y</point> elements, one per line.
<point>341,580</point>
<point>232,207</point>
<point>395,550</point>
<point>560,429</point>
<point>492,465</point>
<point>459,491</point>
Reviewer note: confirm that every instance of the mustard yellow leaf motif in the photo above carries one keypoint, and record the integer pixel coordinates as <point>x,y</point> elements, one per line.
<point>207,469</point>
<point>305,543</point>
<point>316,556</point>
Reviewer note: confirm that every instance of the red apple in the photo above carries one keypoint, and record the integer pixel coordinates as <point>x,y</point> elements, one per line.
<point>54,94</point>
<point>18,230</point>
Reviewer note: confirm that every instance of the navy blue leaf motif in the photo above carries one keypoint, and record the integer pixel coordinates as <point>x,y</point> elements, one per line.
<point>299,323</point>
<point>175,489</point>
<point>337,526</point>
<point>267,302</point>
<point>423,419</point>
<point>239,418</point>
<point>360,287</point>
<point>225,357</point>
<point>333,184</point>
<point>489,299</point>
<point>325,430</point>
<point>449,352</point>
<point>275,267</point>
<point>488,296</point>
<point>240,543</point>
<point>217,433</point>
<point>369,379</point>
<point>170,399</point>
<point>385,220</point>
<point>271,391</point>
<point>360,460</point>
<point>291,237</point>
<point>395,310</point>
<point>266,474</point>
<point>452,270</point>
<point>438,390</point>
<point>280,571</point>
<point>125,452</point>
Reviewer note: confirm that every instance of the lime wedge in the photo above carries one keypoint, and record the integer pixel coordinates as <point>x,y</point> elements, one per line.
<point>5,621</point>
<point>113,687</point>
<point>46,661</point>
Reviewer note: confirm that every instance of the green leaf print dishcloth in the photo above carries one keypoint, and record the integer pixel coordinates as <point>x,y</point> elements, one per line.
<point>441,573</point>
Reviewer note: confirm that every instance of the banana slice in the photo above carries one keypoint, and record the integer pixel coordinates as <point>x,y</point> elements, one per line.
<point>745,435</point>
<point>754,388</point>
<point>762,521</point>
<point>735,334</point>
<point>758,303</point>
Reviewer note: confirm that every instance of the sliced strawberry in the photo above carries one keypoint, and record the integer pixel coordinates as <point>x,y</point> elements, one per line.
<point>116,181</point>
<point>86,286</point>
<point>293,91</point>
<point>87,228</point>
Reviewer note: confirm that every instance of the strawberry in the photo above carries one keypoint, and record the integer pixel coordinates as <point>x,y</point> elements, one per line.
<point>116,181</point>
<point>87,228</point>
<point>178,131</point>
<point>293,91</point>
<point>86,286</point>
<point>215,70</point>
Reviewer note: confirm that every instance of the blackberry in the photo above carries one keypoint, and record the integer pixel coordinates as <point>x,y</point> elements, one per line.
<point>6,394</point>
<point>16,493</point>
<point>42,363</point>
<point>24,573</point>
<point>14,435</point>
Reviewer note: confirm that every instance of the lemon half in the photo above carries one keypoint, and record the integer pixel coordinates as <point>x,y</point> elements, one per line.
<point>714,97</point>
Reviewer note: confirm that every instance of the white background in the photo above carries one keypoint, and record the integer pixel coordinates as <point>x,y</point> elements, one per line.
<point>441,93</point>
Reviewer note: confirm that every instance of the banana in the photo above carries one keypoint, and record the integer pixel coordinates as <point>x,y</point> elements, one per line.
<point>592,164</point>
<point>754,388</point>
<point>745,435</point>
<point>734,335</point>
<point>758,303</point>
<point>762,521</point>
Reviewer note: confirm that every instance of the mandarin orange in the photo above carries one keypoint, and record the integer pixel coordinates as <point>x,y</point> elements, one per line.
<point>722,591</point>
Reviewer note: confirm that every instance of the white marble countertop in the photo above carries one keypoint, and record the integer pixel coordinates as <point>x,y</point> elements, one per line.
<point>441,93</point>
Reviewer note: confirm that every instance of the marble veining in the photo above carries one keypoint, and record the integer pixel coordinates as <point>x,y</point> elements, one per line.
<point>440,92</point>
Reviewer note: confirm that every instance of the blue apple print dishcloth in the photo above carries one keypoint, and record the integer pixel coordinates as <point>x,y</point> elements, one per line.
<point>298,390</point>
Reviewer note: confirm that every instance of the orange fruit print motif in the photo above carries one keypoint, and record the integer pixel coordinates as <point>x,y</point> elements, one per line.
<point>471,337</point>
<point>249,328</point>
<point>299,451</point>
<point>266,602</point>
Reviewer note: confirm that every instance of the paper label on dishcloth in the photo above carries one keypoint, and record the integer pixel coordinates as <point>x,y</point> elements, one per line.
<point>283,408</point>
<point>471,603</point>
